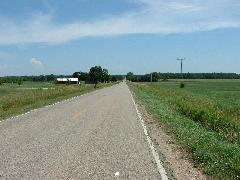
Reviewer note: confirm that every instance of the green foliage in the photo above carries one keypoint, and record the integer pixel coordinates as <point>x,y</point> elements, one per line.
<point>163,76</point>
<point>204,117</point>
<point>19,82</point>
<point>41,78</point>
<point>114,78</point>
<point>82,76</point>
<point>105,76</point>
<point>50,77</point>
<point>97,74</point>
<point>130,76</point>
<point>182,85</point>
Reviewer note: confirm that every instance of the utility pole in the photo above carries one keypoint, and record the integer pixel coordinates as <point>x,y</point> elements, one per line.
<point>181,59</point>
<point>151,77</point>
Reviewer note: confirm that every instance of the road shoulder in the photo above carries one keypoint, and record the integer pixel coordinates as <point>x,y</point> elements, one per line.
<point>174,157</point>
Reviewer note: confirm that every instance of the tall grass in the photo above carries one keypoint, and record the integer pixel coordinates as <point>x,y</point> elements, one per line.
<point>209,130</point>
<point>205,110</point>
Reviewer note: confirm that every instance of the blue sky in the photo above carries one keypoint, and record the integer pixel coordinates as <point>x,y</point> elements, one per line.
<point>62,36</point>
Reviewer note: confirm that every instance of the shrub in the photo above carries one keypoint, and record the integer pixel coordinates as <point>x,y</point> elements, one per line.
<point>19,82</point>
<point>182,85</point>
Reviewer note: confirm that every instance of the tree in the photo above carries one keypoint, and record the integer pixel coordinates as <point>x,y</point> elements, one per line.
<point>96,74</point>
<point>19,82</point>
<point>42,78</point>
<point>155,77</point>
<point>50,77</point>
<point>105,75</point>
<point>76,74</point>
<point>130,76</point>
<point>82,76</point>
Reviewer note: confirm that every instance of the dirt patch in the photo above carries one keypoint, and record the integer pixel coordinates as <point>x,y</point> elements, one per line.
<point>175,158</point>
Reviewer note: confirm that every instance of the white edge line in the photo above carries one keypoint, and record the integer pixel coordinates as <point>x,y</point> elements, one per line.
<point>160,167</point>
<point>50,105</point>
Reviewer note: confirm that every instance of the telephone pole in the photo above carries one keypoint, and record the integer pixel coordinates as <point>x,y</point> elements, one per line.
<point>181,59</point>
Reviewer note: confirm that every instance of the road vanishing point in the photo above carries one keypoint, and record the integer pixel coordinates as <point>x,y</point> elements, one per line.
<point>99,135</point>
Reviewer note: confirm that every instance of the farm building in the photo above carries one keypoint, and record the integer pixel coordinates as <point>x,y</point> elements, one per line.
<point>70,80</point>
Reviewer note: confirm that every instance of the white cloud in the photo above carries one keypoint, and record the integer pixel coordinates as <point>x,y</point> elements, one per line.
<point>37,63</point>
<point>155,16</point>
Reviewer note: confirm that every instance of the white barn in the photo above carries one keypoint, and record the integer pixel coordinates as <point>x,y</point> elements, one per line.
<point>65,80</point>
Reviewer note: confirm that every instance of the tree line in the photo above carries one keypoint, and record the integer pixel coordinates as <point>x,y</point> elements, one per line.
<point>99,74</point>
<point>40,78</point>
<point>156,76</point>
<point>95,75</point>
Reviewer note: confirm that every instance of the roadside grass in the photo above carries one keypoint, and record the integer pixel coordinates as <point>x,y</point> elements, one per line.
<point>16,99</point>
<point>199,120</point>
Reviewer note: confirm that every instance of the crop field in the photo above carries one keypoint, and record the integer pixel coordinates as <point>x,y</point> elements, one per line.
<point>204,117</point>
<point>15,99</point>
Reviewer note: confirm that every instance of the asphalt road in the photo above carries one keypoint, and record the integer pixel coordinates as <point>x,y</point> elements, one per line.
<point>95,136</point>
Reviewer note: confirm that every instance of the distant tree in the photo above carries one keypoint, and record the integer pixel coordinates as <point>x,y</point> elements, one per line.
<point>105,75</point>
<point>1,82</point>
<point>96,75</point>
<point>20,82</point>
<point>50,77</point>
<point>155,77</point>
<point>113,78</point>
<point>82,76</point>
<point>116,77</point>
<point>130,76</point>
<point>76,74</point>
<point>41,78</point>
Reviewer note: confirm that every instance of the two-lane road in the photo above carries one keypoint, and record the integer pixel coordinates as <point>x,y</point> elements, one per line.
<point>95,136</point>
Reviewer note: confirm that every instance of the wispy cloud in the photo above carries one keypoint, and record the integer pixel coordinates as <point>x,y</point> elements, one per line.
<point>36,63</point>
<point>155,16</point>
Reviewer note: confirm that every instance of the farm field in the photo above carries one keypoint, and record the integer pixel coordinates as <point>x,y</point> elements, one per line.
<point>15,99</point>
<point>204,117</point>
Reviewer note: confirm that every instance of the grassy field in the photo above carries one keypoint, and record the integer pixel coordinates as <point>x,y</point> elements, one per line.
<point>204,117</point>
<point>15,99</point>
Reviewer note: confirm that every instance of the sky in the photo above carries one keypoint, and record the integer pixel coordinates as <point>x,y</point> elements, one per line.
<point>141,36</point>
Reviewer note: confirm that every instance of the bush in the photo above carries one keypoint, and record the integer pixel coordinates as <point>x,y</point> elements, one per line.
<point>19,82</point>
<point>182,85</point>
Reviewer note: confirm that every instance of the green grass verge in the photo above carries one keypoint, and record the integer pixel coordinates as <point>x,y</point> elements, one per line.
<point>16,99</point>
<point>217,154</point>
